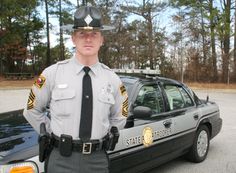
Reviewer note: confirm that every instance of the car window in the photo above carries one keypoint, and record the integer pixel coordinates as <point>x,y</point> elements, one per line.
<point>150,96</point>
<point>177,97</point>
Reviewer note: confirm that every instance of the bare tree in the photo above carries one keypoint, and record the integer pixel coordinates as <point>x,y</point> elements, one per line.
<point>148,10</point>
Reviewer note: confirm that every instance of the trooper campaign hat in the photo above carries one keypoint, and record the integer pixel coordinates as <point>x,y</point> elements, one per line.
<point>87,18</point>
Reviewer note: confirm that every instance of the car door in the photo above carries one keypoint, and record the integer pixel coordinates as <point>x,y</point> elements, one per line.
<point>185,116</point>
<point>146,140</point>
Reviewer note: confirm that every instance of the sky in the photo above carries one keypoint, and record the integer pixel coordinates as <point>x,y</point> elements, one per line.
<point>54,39</point>
<point>163,20</point>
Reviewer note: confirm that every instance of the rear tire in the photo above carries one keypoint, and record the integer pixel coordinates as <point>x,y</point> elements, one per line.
<point>199,150</point>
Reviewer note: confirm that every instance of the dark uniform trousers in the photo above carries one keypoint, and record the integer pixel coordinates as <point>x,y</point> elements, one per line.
<point>97,162</point>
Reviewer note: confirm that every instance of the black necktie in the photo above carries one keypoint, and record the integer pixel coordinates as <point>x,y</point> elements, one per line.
<point>86,107</point>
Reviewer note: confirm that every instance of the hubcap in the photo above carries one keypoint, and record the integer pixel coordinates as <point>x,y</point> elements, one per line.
<point>202,143</point>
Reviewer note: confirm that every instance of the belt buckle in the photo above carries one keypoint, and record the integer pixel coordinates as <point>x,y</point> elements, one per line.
<point>87,148</point>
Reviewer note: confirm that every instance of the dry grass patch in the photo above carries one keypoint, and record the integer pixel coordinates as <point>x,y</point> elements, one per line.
<point>5,84</point>
<point>212,85</point>
<point>8,84</point>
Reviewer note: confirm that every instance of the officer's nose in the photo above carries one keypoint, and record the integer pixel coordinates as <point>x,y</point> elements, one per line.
<point>88,36</point>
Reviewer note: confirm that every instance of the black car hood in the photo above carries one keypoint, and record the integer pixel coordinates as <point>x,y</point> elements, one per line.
<point>17,138</point>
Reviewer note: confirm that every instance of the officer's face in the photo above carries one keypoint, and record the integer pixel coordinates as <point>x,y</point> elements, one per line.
<point>87,43</point>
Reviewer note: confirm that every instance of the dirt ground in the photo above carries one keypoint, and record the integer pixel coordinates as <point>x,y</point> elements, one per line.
<point>14,84</point>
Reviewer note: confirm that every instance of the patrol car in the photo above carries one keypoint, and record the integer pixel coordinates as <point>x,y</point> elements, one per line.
<point>166,120</point>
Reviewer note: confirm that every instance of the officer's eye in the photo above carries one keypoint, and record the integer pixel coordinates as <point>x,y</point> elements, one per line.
<point>95,33</point>
<point>81,33</point>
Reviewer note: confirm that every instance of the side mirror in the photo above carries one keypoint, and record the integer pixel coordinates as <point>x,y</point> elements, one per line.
<point>129,122</point>
<point>142,112</point>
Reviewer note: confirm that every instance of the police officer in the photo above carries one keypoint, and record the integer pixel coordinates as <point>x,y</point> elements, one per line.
<point>73,89</point>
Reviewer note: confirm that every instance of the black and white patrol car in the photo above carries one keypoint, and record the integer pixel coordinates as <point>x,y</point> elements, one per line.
<point>166,120</point>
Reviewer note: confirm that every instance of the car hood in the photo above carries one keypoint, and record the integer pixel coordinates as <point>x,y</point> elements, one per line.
<point>17,137</point>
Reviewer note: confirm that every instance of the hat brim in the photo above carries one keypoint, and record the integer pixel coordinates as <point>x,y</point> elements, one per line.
<point>71,28</point>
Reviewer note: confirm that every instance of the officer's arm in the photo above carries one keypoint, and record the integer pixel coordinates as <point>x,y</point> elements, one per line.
<point>119,110</point>
<point>39,98</point>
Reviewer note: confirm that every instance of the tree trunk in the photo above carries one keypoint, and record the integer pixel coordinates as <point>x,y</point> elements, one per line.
<point>150,39</point>
<point>226,42</point>
<point>213,47</point>
<point>62,51</point>
<point>203,37</point>
<point>48,59</point>
<point>234,43</point>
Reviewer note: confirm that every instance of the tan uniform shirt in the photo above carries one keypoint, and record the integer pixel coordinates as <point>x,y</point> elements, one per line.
<point>60,88</point>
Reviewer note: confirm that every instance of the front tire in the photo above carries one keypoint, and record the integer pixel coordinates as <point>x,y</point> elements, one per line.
<point>199,150</point>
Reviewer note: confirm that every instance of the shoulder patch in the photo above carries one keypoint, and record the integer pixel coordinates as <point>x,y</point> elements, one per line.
<point>125,107</point>
<point>122,90</point>
<point>31,100</point>
<point>40,81</point>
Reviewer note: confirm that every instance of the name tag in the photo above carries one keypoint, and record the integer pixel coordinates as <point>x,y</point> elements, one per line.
<point>62,86</point>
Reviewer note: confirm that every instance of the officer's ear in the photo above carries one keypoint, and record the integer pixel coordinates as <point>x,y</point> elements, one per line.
<point>73,37</point>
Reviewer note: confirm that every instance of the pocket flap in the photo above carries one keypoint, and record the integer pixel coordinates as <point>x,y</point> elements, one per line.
<point>63,94</point>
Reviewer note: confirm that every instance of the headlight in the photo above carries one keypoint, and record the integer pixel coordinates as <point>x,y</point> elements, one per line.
<point>21,167</point>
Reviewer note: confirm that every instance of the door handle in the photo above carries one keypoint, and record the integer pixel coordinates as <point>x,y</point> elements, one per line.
<point>167,123</point>
<point>196,116</point>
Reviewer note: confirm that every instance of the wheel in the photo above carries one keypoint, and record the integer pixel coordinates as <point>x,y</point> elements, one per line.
<point>199,150</point>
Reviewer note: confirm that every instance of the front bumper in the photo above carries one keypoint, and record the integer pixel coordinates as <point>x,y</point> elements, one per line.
<point>216,127</point>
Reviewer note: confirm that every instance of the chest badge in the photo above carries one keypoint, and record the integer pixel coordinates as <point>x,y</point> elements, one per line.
<point>147,136</point>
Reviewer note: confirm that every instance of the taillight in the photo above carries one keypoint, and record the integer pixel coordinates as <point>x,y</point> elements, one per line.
<point>22,169</point>
<point>19,167</point>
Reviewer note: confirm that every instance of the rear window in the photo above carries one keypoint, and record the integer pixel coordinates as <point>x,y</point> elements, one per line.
<point>178,98</point>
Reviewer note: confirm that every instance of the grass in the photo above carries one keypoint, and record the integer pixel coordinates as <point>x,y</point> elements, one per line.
<point>212,86</point>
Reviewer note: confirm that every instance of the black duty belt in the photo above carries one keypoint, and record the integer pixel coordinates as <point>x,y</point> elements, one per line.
<point>79,146</point>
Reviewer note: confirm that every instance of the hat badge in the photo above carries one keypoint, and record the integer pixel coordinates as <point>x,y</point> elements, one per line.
<point>88,19</point>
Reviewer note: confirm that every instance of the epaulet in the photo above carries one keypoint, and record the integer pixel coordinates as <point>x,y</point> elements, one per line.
<point>63,62</point>
<point>105,67</point>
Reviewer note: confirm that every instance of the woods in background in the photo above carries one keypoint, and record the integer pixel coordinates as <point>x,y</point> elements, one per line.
<point>197,45</point>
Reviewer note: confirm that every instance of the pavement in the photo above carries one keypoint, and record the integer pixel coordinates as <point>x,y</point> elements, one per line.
<point>13,99</point>
<point>222,154</point>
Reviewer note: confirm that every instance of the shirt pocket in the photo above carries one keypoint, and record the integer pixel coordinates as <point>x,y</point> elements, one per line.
<point>62,101</point>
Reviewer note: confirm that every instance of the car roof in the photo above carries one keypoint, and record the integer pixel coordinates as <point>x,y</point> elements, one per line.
<point>129,79</point>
